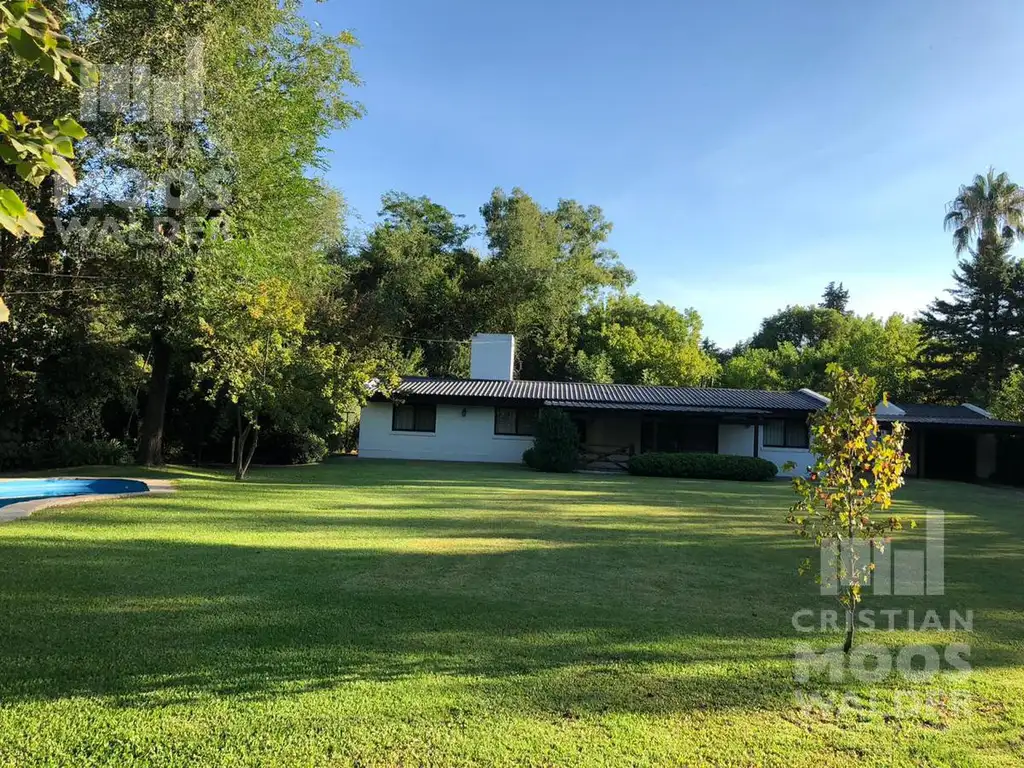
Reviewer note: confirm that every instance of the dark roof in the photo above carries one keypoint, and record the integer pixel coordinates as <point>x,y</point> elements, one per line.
<point>584,395</point>
<point>958,416</point>
<point>939,412</point>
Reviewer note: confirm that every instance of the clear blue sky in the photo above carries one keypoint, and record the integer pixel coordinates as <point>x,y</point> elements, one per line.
<point>747,152</point>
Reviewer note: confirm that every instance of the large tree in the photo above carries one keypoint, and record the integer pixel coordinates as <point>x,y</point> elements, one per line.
<point>976,336</point>
<point>416,282</point>
<point>543,267</point>
<point>273,88</point>
<point>990,206</point>
<point>628,341</point>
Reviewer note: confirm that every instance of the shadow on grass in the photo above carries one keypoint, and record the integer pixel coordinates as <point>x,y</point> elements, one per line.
<point>580,628</point>
<point>127,619</point>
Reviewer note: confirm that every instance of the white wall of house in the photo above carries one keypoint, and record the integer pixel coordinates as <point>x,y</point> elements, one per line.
<point>803,458</point>
<point>471,437</point>
<point>738,440</point>
<point>456,437</point>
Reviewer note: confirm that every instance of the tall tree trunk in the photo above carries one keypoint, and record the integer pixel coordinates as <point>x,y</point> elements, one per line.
<point>244,454</point>
<point>151,433</point>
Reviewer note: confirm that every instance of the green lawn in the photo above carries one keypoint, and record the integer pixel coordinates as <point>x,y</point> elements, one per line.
<point>373,613</point>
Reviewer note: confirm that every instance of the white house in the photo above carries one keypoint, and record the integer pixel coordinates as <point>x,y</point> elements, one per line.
<point>490,416</point>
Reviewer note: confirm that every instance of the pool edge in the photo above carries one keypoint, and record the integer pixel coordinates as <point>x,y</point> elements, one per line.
<point>23,509</point>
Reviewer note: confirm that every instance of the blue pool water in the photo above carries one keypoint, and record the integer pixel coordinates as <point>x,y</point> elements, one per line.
<point>13,491</point>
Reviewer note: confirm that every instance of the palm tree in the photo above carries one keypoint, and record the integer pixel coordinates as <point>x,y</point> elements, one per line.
<point>991,204</point>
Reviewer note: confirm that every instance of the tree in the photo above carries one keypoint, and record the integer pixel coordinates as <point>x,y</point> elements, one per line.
<point>857,469</point>
<point>990,206</point>
<point>976,337</point>
<point>1009,401</point>
<point>543,267</point>
<point>417,282</point>
<point>645,343</point>
<point>835,297</point>
<point>556,447</point>
<point>888,350</point>
<point>274,88</point>
<point>800,326</point>
<point>36,149</point>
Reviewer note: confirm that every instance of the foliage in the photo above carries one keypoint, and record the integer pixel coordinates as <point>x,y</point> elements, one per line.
<point>303,447</point>
<point>556,445</point>
<point>543,267</point>
<point>416,281</point>
<point>977,335</point>
<point>1009,401</point>
<point>56,453</point>
<point>32,33</point>
<point>857,469</point>
<point>836,297</point>
<point>991,206</point>
<point>625,340</point>
<point>702,466</point>
<point>887,350</point>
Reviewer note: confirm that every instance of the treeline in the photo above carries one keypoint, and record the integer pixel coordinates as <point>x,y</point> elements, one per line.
<point>198,297</point>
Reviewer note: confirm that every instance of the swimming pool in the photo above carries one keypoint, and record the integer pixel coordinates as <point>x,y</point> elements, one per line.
<point>14,491</point>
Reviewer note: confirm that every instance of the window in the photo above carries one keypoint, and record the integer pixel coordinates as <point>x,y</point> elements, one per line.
<point>413,418</point>
<point>786,433</point>
<point>515,421</point>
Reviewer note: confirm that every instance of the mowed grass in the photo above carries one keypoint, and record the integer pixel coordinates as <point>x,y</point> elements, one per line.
<point>392,614</point>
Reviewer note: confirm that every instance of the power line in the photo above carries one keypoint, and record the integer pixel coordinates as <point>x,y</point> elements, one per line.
<point>442,341</point>
<point>55,275</point>
<point>57,290</point>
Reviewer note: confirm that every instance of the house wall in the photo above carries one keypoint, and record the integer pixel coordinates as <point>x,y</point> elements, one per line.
<point>456,437</point>
<point>736,439</point>
<point>803,458</point>
<point>471,437</point>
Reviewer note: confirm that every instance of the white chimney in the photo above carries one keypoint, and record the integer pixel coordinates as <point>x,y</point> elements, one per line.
<point>492,356</point>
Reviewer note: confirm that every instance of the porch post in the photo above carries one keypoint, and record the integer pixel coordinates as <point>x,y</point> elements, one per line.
<point>757,438</point>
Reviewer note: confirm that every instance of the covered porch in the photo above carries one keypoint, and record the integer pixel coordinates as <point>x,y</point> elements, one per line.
<point>610,435</point>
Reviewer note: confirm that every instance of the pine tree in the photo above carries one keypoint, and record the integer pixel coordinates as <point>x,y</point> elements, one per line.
<point>977,336</point>
<point>835,297</point>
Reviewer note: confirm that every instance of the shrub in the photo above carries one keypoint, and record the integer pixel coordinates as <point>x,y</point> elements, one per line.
<point>291,448</point>
<point>56,453</point>
<point>702,466</point>
<point>556,445</point>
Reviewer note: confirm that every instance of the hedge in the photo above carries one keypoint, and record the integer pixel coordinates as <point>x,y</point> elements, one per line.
<point>56,453</point>
<point>702,466</point>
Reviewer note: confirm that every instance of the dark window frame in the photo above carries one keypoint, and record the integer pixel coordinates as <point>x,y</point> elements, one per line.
<point>417,409</point>
<point>517,411</point>
<point>786,443</point>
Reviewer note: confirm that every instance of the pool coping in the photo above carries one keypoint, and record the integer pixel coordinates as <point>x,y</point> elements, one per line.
<point>23,509</point>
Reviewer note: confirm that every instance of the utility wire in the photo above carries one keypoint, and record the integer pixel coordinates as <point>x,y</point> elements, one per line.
<point>57,290</point>
<point>442,341</point>
<point>56,275</point>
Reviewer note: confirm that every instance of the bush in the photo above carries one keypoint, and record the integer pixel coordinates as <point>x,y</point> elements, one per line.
<point>702,466</point>
<point>55,454</point>
<point>556,446</point>
<point>291,448</point>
